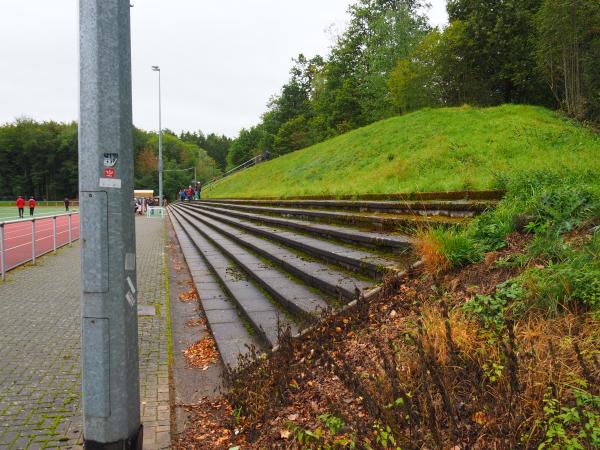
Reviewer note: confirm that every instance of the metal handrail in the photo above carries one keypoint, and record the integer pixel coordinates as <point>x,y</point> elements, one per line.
<point>220,178</point>
<point>3,268</point>
<point>37,218</point>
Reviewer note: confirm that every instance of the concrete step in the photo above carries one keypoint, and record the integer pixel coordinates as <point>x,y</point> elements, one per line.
<point>257,309</point>
<point>231,336</point>
<point>450,208</point>
<point>368,239</point>
<point>292,295</point>
<point>358,260</point>
<point>332,282</point>
<point>405,196</point>
<point>378,221</point>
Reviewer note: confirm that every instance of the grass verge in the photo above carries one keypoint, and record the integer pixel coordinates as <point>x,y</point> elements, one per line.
<point>430,150</point>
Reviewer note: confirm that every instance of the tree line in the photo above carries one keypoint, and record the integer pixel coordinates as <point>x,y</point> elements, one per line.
<point>390,61</point>
<point>40,159</point>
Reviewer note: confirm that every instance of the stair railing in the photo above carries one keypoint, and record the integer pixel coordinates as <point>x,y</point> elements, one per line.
<point>217,180</point>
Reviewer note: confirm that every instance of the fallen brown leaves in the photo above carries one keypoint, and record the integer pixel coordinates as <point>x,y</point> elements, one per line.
<point>189,296</point>
<point>212,424</point>
<point>202,354</point>
<point>201,322</point>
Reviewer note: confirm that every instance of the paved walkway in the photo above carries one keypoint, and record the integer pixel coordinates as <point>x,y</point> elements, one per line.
<point>40,347</point>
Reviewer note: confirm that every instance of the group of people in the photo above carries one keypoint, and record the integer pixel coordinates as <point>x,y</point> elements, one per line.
<point>32,203</point>
<point>21,205</point>
<point>190,193</point>
<point>142,204</point>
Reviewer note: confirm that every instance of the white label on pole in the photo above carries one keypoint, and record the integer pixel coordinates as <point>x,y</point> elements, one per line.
<point>131,286</point>
<point>130,298</point>
<point>110,183</point>
<point>130,261</point>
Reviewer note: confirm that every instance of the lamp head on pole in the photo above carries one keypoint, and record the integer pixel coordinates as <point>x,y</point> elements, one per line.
<point>156,68</point>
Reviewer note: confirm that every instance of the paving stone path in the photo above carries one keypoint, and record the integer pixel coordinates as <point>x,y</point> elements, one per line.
<point>40,348</point>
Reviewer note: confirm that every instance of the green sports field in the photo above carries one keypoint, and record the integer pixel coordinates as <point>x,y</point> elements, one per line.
<point>11,212</point>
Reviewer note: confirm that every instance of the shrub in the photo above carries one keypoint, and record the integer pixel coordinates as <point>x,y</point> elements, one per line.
<point>493,309</point>
<point>446,248</point>
<point>572,283</point>
<point>572,427</point>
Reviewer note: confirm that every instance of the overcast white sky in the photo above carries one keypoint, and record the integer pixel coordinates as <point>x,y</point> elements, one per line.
<point>221,60</point>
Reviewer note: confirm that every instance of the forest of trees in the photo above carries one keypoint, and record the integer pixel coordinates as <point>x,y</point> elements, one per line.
<point>388,61</point>
<point>40,159</point>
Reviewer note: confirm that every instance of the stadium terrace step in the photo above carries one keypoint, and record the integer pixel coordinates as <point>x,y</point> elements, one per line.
<point>450,208</point>
<point>368,239</point>
<point>260,266</point>
<point>493,195</point>
<point>331,282</point>
<point>380,221</point>
<point>257,309</point>
<point>357,260</point>
<point>231,336</point>
<point>298,299</point>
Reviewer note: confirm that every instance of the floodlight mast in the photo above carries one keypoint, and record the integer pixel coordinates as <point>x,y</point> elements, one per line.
<point>109,352</point>
<point>160,158</point>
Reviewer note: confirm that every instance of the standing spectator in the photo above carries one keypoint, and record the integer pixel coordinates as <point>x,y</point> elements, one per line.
<point>31,206</point>
<point>181,194</point>
<point>190,193</point>
<point>21,206</point>
<point>67,203</point>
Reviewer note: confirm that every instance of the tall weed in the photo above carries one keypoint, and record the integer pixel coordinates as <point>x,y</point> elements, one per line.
<point>446,248</point>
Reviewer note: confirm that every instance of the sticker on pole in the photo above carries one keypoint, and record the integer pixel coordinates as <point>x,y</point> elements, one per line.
<point>110,159</point>
<point>110,183</point>
<point>130,298</point>
<point>109,172</point>
<point>130,261</point>
<point>131,286</point>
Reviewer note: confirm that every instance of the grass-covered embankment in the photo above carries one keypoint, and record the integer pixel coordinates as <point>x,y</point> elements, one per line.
<point>429,150</point>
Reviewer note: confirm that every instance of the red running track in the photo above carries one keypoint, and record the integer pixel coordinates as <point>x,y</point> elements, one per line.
<point>17,238</point>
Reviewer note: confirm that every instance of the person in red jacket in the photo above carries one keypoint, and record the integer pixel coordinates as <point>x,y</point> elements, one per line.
<point>21,206</point>
<point>31,205</point>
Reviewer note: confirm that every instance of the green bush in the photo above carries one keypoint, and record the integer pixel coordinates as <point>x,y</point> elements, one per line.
<point>457,246</point>
<point>547,203</point>
<point>572,283</point>
<point>572,427</point>
<point>492,310</point>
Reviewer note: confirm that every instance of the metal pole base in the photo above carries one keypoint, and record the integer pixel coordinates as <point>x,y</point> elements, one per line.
<point>132,443</point>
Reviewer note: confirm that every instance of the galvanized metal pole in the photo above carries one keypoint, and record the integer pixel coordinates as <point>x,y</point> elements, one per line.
<point>33,241</point>
<point>160,147</point>
<point>2,261</point>
<point>110,381</point>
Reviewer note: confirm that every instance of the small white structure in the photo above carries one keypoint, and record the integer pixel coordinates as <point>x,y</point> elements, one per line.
<point>155,211</point>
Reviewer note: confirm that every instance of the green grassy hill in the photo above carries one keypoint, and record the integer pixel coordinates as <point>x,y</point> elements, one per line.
<point>429,150</point>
